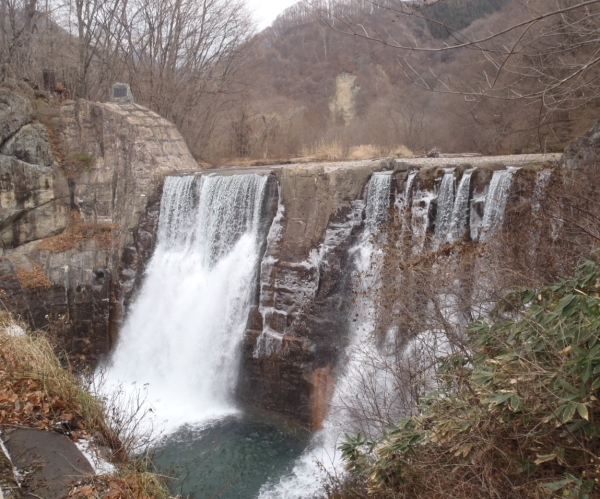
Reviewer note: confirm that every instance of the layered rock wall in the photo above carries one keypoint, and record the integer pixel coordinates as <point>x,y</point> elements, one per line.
<point>80,188</point>
<point>298,330</point>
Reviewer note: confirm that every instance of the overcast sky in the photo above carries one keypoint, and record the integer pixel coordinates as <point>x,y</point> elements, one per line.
<point>266,11</point>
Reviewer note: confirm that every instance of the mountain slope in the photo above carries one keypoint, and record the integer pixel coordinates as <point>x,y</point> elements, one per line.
<point>303,65</point>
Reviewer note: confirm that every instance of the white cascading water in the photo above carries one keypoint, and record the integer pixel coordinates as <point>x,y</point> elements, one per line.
<point>403,203</point>
<point>183,333</point>
<point>495,201</point>
<point>410,181</point>
<point>445,206</point>
<point>420,218</point>
<point>542,182</point>
<point>460,212</point>
<point>378,201</point>
<point>322,457</point>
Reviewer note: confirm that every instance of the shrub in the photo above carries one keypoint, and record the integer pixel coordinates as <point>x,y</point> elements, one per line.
<point>515,416</point>
<point>36,390</point>
<point>75,164</point>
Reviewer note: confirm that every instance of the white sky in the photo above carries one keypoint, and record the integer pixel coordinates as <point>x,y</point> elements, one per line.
<point>265,11</point>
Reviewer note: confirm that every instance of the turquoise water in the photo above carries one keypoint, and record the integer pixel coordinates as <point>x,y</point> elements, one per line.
<point>231,458</point>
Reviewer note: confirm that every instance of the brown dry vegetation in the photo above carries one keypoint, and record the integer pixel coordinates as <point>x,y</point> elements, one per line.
<point>77,232</point>
<point>270,97</point>
<point>132,482</point>
<point>33,279</point>
<point>288,112</point>
<point>37,391</point>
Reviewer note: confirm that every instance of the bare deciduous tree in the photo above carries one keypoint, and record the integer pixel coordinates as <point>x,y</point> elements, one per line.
<point>547,55</point>
<point>181,57</point>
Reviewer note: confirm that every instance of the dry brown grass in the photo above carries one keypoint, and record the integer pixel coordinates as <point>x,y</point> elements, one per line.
<point>402,152</point>
<point>34,279</point>
<point>326,150</point>
<point>77,232</point>
<point>370,151</point>
<point>131,482</point>
<point>366,151</point>
<point>37,391</point>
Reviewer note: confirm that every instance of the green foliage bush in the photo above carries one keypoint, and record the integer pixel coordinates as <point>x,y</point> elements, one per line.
<point>516,416</point>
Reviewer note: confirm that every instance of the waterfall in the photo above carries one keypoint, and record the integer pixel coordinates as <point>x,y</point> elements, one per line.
<point>542,181</point>
<point>410,181</point>
<point>322,456</point>
<point>420,218</point>
<point>445,206</point>
<point>460,212</point>
<point>403,204</point>
<point>378,200</point>
<point>495,201</point>
<point>183,333</point>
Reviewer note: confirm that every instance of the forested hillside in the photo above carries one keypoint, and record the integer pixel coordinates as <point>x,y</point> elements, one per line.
<point>458,14</point>
<point>310,59</point>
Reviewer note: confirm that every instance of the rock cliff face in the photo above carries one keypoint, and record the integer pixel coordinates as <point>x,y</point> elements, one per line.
<point>298,330</point>
<point>294,333</point>
<point>80,188</point>
<point>34,193</point>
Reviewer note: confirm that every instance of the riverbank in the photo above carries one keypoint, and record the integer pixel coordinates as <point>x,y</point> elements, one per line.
<point>58,439</point>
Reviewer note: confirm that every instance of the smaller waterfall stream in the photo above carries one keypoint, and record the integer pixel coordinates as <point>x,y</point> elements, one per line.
<point>445,206</point>
<point>495,201</point>
<point>460,212</point>
<point>410,182</point>
<point>403,203</point>
<point>321,455</point>
<point>420,218</point>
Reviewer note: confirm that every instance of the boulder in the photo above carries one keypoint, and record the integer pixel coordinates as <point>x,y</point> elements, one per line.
<point>584,151</point>
<point>34,201</point>
<point>31,145</point>
<point>15,112</point>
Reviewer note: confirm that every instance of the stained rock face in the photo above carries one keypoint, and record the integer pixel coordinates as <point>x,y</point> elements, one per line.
<point>298,327</point>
